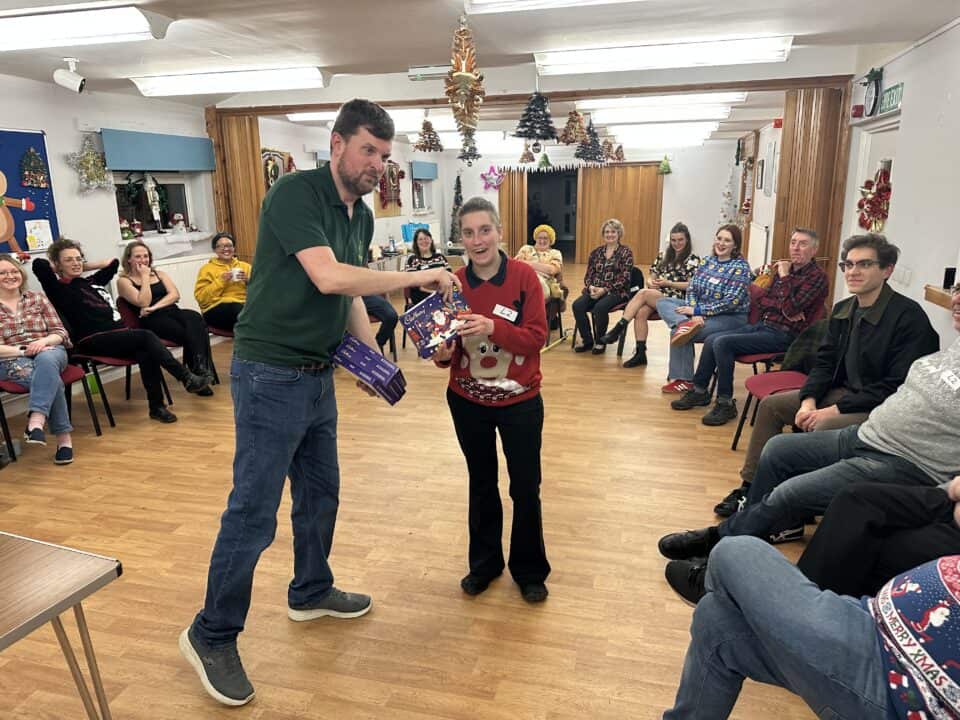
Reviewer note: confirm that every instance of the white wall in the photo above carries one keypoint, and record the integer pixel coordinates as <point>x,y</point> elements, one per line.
<point>692,192</point>
<point>301,141</point>
<point>925,184</point>
<point>92,218</point>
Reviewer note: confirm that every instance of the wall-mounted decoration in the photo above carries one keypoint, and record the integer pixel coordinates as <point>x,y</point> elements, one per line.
<point>874,204</point>
<point>663,169</point>
<point>28,218</point>
<point>91,167</point>
<point>275,164</point>
<point>492,178</point>
<point>464,90</point>
<point>33,170</point>
<point>389,191</point>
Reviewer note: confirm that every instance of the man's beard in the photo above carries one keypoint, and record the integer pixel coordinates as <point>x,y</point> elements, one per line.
<point>354,184</point>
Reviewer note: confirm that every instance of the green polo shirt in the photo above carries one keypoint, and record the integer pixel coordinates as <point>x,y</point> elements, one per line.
<point>286,320</point>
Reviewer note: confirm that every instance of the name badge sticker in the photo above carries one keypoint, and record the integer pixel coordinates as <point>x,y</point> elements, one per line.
<point>950,378</point>
<point>714,281</point>
<point>505,312</point>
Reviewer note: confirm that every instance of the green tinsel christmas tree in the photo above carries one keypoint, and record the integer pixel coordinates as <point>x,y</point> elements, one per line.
<point>590,150</point>
<point>454,236</point>
<point>535,122</point>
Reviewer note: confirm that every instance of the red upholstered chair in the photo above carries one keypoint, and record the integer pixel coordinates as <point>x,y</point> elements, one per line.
<point>762,385</point>
<point>70,375</point>
<point>131,318</point>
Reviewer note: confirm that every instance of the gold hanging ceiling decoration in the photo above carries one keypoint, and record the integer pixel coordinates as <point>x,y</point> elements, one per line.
<point>464,90</point>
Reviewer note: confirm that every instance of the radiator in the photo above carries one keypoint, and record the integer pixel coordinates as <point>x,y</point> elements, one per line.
<point>183,272</point>
<point>759,251</point>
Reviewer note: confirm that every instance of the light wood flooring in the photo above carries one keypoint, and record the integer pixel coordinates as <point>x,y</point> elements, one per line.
<point>620,470</point>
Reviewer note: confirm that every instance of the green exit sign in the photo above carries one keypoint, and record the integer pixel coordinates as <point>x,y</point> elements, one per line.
<point>891,98</point>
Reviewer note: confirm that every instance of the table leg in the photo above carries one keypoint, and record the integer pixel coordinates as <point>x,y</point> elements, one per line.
<point>74,668</point>
<point>92,663</point>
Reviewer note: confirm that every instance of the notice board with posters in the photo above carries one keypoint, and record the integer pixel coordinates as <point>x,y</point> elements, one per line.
<point>28,216</point>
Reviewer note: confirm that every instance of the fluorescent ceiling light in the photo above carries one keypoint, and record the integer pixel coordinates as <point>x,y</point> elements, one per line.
<point>489,142</point>
<point>618,116</point>
<point>81,27</point>
<point>664,135</point>
<point>407,120</point>
<point>652,57</point>
<point>719,98</point>
<point>478,7</point>
<point>234,81</point>
<point>325,116</point>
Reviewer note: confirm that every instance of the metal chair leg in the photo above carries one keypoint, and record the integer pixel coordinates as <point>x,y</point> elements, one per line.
<point>7,438</point>
<point>103,394</point>
<point>743,418</point>
<point>166,390</point>
<point>129,374</point>
<point>91,406</point>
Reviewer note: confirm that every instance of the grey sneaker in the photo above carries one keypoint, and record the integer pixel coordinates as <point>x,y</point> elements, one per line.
<point>336,603</point>
<point>220,670</point>
<point>722,412</point>
<point>691,399</point>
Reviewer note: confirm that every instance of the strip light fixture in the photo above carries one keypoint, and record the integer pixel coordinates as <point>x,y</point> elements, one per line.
<point>233,81</point>
<point>478,7</point>
<point>91,26</point>
<point>663,135</point>
<point>324,116</point>
<point>643,101</point>
<point>677,113</point>
<point>657,57</point>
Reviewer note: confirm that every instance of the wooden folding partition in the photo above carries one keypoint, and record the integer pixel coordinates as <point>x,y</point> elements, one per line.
<point>238,184</point>
<point>633,194</point>
<point>513,210</point>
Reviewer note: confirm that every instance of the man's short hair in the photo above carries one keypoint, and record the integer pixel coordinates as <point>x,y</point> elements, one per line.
<point>812,234</point>
<point>479,204</point>
<point>53,252</point>
<point>887,252</point>
<point>365,114</point>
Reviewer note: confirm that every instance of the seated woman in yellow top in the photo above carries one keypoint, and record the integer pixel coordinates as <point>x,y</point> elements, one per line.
<point>221,287</point>
<point>547,262</point>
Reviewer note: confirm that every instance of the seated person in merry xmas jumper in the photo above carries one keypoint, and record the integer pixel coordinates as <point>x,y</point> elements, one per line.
<point>221,287</point>
<point>872,339</point>
<point>88,309</point>
<point>669,278</point>
<point>874,658</point>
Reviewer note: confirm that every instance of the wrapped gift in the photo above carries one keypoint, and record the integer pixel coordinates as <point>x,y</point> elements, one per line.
<point>371,368</point>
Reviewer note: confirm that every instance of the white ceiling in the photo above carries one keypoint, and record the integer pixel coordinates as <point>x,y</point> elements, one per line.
<point>372,37</point>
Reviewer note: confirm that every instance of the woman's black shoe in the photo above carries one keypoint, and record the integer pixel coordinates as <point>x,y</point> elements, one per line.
<point>584,347</point>
<point>639,358</point>
<point>615,332</point>
<point>163,415</point>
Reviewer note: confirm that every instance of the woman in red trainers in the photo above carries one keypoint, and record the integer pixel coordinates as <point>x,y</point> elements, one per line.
<point>717,300</point>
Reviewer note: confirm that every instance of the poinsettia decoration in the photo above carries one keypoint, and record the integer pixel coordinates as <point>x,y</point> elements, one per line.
<point>874,204</point>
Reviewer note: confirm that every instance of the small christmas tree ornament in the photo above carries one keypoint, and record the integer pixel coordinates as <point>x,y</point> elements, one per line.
<point>464,89</point>
<point>91,167</point>
<point>428,141</point>
<point>608,155</point>
<point>590,150</point>
<point>664,168</point>
<point>618,154</point>
<point>536,147</point>
<point>33,170</point>
<point>535,122</point>
<point>575,131</point>
<point>544,163</point>
<point>527,156</point>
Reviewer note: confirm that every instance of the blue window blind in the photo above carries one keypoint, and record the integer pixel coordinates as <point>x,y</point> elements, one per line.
<point>127,150</point>
<point>420,170</point>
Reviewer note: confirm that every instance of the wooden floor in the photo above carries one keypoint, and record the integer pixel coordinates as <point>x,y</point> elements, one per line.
<point>620,470</point>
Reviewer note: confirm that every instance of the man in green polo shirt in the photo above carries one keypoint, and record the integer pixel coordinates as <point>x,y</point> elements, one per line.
<point>306,291</point>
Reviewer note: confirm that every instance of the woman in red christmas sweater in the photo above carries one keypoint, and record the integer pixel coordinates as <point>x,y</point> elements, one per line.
<point>495,386</point>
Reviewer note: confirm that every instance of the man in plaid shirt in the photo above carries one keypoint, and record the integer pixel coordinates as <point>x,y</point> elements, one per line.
<point>786,308</point>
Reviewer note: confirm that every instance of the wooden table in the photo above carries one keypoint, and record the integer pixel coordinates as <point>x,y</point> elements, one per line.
<point>38,582</point>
